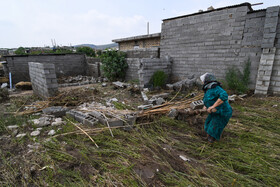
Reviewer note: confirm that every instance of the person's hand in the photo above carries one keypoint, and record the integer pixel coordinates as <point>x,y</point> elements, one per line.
<point>211,109</point>
<point>204,108</point>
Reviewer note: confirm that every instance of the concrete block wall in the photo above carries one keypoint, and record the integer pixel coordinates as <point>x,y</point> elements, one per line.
<point>133,68</point>
<point>208,42</point>
<point>274,87</point>
<point>153,52</point>
<point>65,65</point>
<point>267,78</point>
<point>251,43</point>
<point>93,66</point>
<point>43,79</point>
<point>149,66</point>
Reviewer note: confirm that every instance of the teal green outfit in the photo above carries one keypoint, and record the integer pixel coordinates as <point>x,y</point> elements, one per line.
<point>216,122</point>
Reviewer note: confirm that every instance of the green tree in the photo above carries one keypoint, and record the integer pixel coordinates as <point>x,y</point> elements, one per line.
<point>114,64</point>
<point>87,51</point>
<point>20,51</point>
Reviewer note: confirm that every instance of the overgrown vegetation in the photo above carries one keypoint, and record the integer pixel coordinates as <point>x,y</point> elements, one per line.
<point>238,81</point>
<point>114,64</point>
<point>20,51</point>
<point>87,51</point>
<point>4,94</point>
<point>148,155</point>
<point>158,79</point>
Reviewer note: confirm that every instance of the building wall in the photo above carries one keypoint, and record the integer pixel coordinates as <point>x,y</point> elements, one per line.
<point>208,42</point>
<point>65,65</point>
<point>143,43</point>
<point>217,40</point>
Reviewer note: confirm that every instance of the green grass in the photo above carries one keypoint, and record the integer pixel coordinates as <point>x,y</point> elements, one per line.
<point>248,153</point>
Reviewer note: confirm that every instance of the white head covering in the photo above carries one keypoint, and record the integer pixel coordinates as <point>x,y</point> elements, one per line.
<point>202,77</point>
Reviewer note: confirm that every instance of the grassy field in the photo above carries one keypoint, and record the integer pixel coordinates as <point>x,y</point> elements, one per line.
<point>248,153</point>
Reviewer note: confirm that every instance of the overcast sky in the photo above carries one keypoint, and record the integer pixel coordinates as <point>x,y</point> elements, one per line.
<point>35,22</point>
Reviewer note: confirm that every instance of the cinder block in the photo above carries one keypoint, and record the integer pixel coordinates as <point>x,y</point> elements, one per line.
<point>197,104</point>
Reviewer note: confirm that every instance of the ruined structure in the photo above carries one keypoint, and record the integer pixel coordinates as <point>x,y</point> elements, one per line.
<point>65,65</point>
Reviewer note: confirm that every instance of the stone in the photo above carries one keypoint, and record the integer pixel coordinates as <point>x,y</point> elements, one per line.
<point>119,84</point>
<point>231,98</point>
<point>44,121</point>
<point>162,95</point>
<point>15,132</point>
<point>184,158</point>
<point>4,85</point>
<point>160,101</point>
<point>104,85</point>
<point>57,111</point>
<point>11,127</point>
<point>169,86</point>
<point>58,122</point>
<point>35,133</point>
<point>143,107</point>
<point>51,133</point>
<point>39,129</point>
<point>113,100</point>
<point>21,135</point>
<point>173,113</point>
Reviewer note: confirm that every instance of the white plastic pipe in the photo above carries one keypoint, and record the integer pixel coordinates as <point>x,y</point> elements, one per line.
<point>10,78</point>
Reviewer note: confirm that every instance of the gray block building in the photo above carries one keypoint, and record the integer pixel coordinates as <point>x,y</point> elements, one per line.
<point>215,40</point>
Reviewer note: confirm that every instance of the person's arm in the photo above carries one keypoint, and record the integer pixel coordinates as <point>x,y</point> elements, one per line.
<point>213,107</point>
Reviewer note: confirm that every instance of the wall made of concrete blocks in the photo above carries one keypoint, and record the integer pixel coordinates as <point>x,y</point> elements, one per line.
<point>274,87</point>
<point>43,79</point>
<point>93,66</point>
<point>149,66</point>
<point>209,42</point>
<point>143,53</point>
<point>65,65</point>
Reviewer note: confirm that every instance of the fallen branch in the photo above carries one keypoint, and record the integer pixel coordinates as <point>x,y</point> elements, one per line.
<point>82,131</point>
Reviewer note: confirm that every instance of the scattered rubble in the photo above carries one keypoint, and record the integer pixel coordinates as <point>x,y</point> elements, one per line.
<point>57,111</point>
<point>183,85</point>
<point>119,84</point>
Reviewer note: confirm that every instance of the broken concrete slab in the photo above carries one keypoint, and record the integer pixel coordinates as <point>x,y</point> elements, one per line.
<point>21,135</point>
<point>119,84</point>
<point>57,111</point>
<point>144,96</point>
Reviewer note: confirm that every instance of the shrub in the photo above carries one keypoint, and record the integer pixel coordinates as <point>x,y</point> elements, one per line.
<point>87,51</point>
<point>114,64</point>
<point>20,51</point>
<point>158,79</point>
<point>238,81</point>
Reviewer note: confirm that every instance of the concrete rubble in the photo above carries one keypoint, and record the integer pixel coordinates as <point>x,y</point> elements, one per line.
<point>184,85</point>
<point>57,111</point>
<point>119,84</point>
